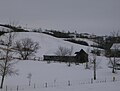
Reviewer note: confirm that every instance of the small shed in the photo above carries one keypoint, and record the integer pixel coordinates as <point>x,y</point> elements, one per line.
<point>81,56</point>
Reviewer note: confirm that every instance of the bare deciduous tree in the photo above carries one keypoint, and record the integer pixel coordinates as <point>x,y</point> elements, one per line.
<point>6,61</point>
<point>115,34</point>
<point>63,51</point>
<point>26,48</point>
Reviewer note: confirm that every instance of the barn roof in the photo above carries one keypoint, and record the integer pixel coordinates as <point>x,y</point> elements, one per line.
<point>81,51</point>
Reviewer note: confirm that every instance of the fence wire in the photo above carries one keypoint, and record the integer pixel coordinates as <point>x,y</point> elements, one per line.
<point>58,84</point>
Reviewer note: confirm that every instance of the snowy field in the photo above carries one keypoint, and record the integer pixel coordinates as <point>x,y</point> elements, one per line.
<point>58,76</point>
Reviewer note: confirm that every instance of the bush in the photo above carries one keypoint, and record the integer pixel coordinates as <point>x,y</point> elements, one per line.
<point>97,52</point>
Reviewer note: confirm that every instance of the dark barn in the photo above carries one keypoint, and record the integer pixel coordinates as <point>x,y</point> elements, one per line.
<point>81,57</point>
<point>59,58</point>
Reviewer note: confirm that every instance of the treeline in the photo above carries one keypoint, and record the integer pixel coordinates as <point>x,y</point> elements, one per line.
<point>11,28</point>
<point>14,28</point>
<point>58,34</point>
<point>78,42</point>
<point>104,42</point>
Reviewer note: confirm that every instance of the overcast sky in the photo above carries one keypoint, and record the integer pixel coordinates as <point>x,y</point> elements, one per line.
<point>91,16</point>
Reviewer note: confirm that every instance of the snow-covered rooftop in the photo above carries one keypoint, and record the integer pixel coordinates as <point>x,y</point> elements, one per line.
<point>115,46</point>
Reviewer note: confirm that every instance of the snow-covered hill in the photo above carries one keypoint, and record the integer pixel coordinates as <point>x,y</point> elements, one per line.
<point>59,75</point>
<point>49,44</point>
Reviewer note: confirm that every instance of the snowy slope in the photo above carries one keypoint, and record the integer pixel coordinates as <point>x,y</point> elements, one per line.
<point>48,44</point>
<point>57,75</point>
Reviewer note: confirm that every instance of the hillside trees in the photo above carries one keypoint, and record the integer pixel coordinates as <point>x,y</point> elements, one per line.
<point>6,58</point>
<point>26,48</point>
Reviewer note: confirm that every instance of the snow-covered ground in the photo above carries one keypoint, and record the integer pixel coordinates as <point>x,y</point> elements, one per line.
<point>88,87</point>
<point>58,76</point>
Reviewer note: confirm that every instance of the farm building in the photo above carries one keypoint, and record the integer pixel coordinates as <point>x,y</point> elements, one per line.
<point>115,46</point>
<point>59,58</point>
<point>81,57</point>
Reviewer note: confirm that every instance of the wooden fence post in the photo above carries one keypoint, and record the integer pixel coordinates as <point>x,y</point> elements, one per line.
<point>46,84</point>
<point>17,87</point>
<point>105,79</point>
<point>69,83</point>
<point>6,88</point>
<point>54,83</point>
<point>113,79</point>
<point>34,85</point>
<point>91,80</point>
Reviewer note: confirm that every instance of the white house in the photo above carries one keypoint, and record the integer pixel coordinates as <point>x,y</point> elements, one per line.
<point>115,46</point>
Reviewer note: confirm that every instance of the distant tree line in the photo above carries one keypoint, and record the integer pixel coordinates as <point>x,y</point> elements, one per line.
<point>78,42</point>
<point>57,34</point>
<point>11,28</point>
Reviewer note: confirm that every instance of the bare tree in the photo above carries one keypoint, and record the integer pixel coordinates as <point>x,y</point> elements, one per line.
<point>26,48</point>
<point>115,34</point>
<point>6,60</point>
<point>94,62</point>
<point>63,51</point>
<point>112,64</point>
<point>13,23</point>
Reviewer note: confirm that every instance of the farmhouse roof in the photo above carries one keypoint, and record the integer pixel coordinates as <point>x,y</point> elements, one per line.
<point>115,46</point>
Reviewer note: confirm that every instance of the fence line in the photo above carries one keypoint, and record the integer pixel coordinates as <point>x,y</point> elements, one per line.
<point>55,84</point>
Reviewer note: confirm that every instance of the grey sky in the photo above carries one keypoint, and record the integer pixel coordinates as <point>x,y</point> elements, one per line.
<point>91,16</point>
